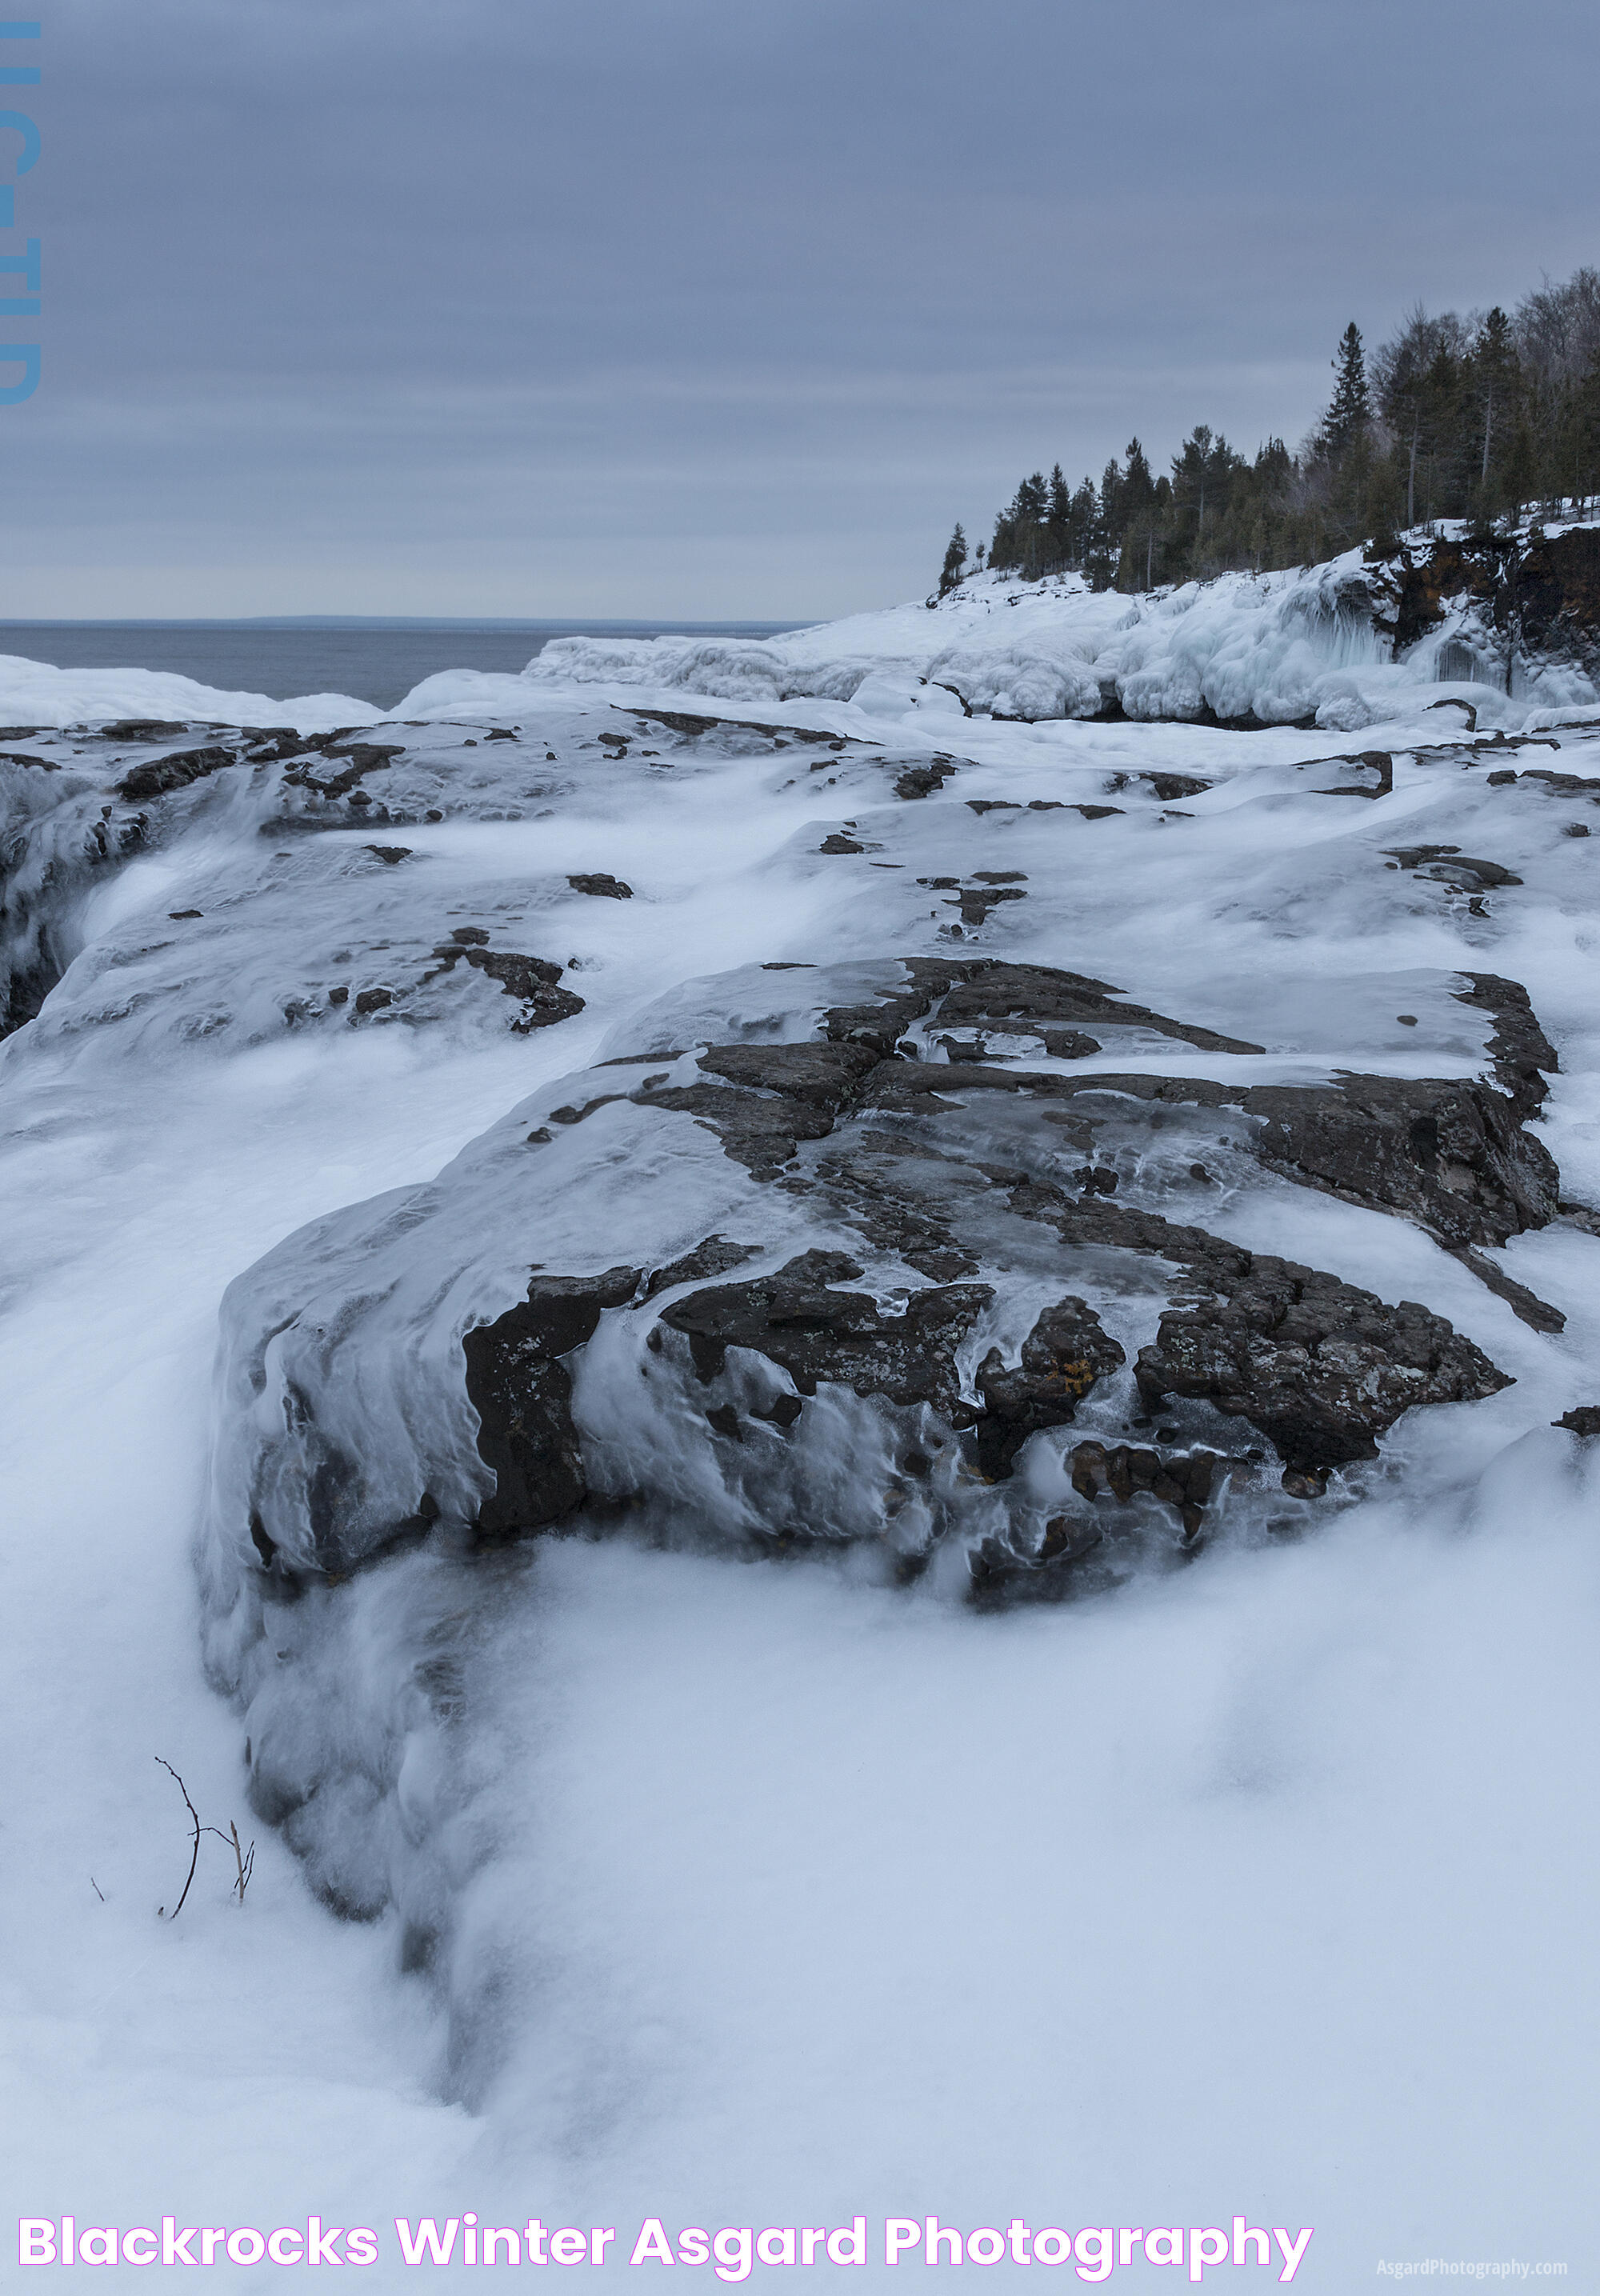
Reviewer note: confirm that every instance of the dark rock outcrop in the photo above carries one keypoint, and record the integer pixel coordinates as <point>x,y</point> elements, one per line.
<point>521,1391</point>
<point>175,771</point>
<point>800,1321</point>
<point>1521,1053</point>
<point>1022,993</point>
<point>1541,592</point>
<point>1063,1356</point>
<point>1321,1368</point>
<point>1450,1153</point>
<point>958,1175</point>
<point>605,887</point>
<point>533,980</point>
<point>715,1256</point>
<point>361,759</point>
<point>922,780</point>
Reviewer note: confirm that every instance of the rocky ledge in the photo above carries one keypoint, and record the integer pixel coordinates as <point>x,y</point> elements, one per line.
<point>878,1277</point>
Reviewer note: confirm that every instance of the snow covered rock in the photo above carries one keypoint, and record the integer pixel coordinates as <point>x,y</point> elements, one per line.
<point>978,1163</point>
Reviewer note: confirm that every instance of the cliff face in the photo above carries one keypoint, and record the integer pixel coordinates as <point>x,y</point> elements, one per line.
<point>1538,592</point>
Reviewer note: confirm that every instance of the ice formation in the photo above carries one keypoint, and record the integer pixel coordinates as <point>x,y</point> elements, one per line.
<point>1342,645</point>
<point>883,1416</point>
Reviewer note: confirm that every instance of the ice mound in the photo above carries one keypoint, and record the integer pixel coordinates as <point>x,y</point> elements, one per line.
<point>36,692</point>
<point>728,669</point>
<point>1019,681</point>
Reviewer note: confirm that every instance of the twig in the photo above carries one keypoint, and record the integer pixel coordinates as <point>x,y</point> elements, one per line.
<point>245,1860</point>
<point>95,1885</point>
<point>194,1813</point>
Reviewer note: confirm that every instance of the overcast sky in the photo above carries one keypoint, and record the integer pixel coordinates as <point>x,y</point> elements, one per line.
<point>716,309</point>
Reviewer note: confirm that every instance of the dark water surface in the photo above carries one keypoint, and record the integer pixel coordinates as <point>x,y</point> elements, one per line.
<point>377,661</point>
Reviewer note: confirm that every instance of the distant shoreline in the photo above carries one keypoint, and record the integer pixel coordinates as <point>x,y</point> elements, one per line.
<point>577,628</point>
<point>371,658</point>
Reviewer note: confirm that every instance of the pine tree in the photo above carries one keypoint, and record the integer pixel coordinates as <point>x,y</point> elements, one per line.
<point>1448,473</point>
<point>1411,405</point>
<point>1496,388</point>
<point>1136,568</point>
<point>1138,484</point>
<point>955,565</point>
<point>1456,419</point>
<point>1058,522</point>
<point>1085,510</point>
<point>1349,410</point>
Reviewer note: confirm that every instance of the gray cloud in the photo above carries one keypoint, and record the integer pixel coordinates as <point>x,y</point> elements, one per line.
<point>718,306</point>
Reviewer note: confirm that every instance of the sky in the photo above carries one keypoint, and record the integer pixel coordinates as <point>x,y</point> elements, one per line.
<point>715,309</point>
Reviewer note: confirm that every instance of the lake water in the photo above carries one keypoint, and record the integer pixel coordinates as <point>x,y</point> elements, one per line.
<point>377,661</point>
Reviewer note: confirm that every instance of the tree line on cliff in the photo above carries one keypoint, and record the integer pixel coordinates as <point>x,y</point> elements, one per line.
<point>1452,417</point>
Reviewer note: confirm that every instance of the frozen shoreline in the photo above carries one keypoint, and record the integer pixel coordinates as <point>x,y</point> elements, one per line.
<point>778,1893</point>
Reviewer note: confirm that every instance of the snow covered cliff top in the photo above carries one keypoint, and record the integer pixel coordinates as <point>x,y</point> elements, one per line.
<point>1342,646</point>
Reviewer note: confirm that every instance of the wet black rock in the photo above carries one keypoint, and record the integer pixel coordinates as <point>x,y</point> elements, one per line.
<point>533,980</point>
<point>1063,1356</point>
<point>1560,785</point>
<point>788,1092</point>
<point>521,1391</point>
<point>1450,865</point>
<point>932,1172</point>
<point>1378,761</point>
<point>604,887</point>
<point>1038,993</point>
<point>815,1331</point>
<point>1187,1481</point>
<point>1097,1179</point>
<point>1321,1368</point>
<point>1583,1419</point>
<point>976,901</point>
<point>922,781</point>
<point>690,724</point>
<point>1450,1153</point>
<point>1167,786</point>
<point>716,1256</point>
<point>1522,1053</point>
<point>360,759</point>
<point>175,771</point>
